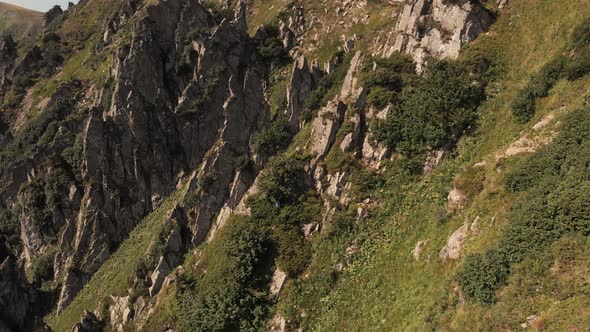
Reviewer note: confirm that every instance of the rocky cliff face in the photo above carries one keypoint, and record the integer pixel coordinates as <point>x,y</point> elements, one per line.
<point>184,97</point>
<point>160,126</point>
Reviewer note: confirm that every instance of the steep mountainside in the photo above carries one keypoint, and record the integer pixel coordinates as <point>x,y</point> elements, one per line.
<point>19,22</point>
<point>274,165</point>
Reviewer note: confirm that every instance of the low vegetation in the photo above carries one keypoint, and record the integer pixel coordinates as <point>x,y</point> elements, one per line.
<point>571,67</point>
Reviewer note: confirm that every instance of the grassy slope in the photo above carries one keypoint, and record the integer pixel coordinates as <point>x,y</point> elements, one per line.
<point>324,37</point>
<point>382,288</point>
<point>18,21</point>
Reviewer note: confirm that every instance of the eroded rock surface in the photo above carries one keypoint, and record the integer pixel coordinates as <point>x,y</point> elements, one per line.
<point>439,28</point>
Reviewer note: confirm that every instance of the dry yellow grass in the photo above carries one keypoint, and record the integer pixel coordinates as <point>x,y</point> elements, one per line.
<point>18,21</point>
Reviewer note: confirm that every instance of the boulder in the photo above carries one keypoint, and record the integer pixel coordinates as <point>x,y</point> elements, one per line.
<point>455,200</point>
<point>417,251</point>
<point>433,158</point>
<point>278,281</point>
<point>454,246</point>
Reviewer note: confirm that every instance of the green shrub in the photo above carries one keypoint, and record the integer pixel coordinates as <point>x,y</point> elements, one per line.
<point>390,73</point>
<point>574,67</point>
<point>10,229</point>
<point>470,181</point>
<point>278,97</point>
<point>578,65</point>
<point>547,77</point>
<point>581,35</point>
<point>42,267</point>
<point>386,77</point>
<point>483,275</point>
<point>37,131</point>
<point>272,49</point>
<point>293,252</point>
<point>380,97</point>
<point>315,99</point>
<point>434,113</point>
<point>275,138</point>
<point>218,11</point>
<point>284,181</point>
<point>523,106</point>
<point>243,163</point>
<point>482,65</point>
<point>229,292</point>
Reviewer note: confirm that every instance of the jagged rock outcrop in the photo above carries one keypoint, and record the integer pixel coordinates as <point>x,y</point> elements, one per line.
<point>88,323</point>
<point>304,79</point>
<point>161,125</point>
<point>418,249</point>
<point>433,158</point>
<point>173,246</point>
<point>51,15</point>
<point>8,56</point>
<point>278,281</point>
<point>119,312</point>
<point>438,28</point>
<point>325,126</point>
<point>352,91</point>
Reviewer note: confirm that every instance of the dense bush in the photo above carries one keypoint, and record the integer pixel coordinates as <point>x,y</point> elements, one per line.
<point>218,11</point>
<point>293,251</point>
<point>284,181</point>
<point>231,294</point>
<point>9,229</point>
<point>390,73</point>
<point>581,35</point>
<point>547,77</point>
<point>42,267</point>
<point>272,49</point>
<point>315,99</point>
<point>482,275</point>
<point>578,65</point>
<point>523,106</point>
<point>556,187</point>
<point>275,138</point>
<point>434,113</point>
<point>482,65</point>
<point>386,77</point>
<point>470,181</point>
<point>37,131</point>
<point>284,205</point>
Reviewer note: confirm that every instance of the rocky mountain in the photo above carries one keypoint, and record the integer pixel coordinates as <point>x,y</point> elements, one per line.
<point>204,165</point>
<point>19,22</point>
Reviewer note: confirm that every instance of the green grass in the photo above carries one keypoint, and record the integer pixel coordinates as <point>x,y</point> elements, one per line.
<point>114,275</point>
